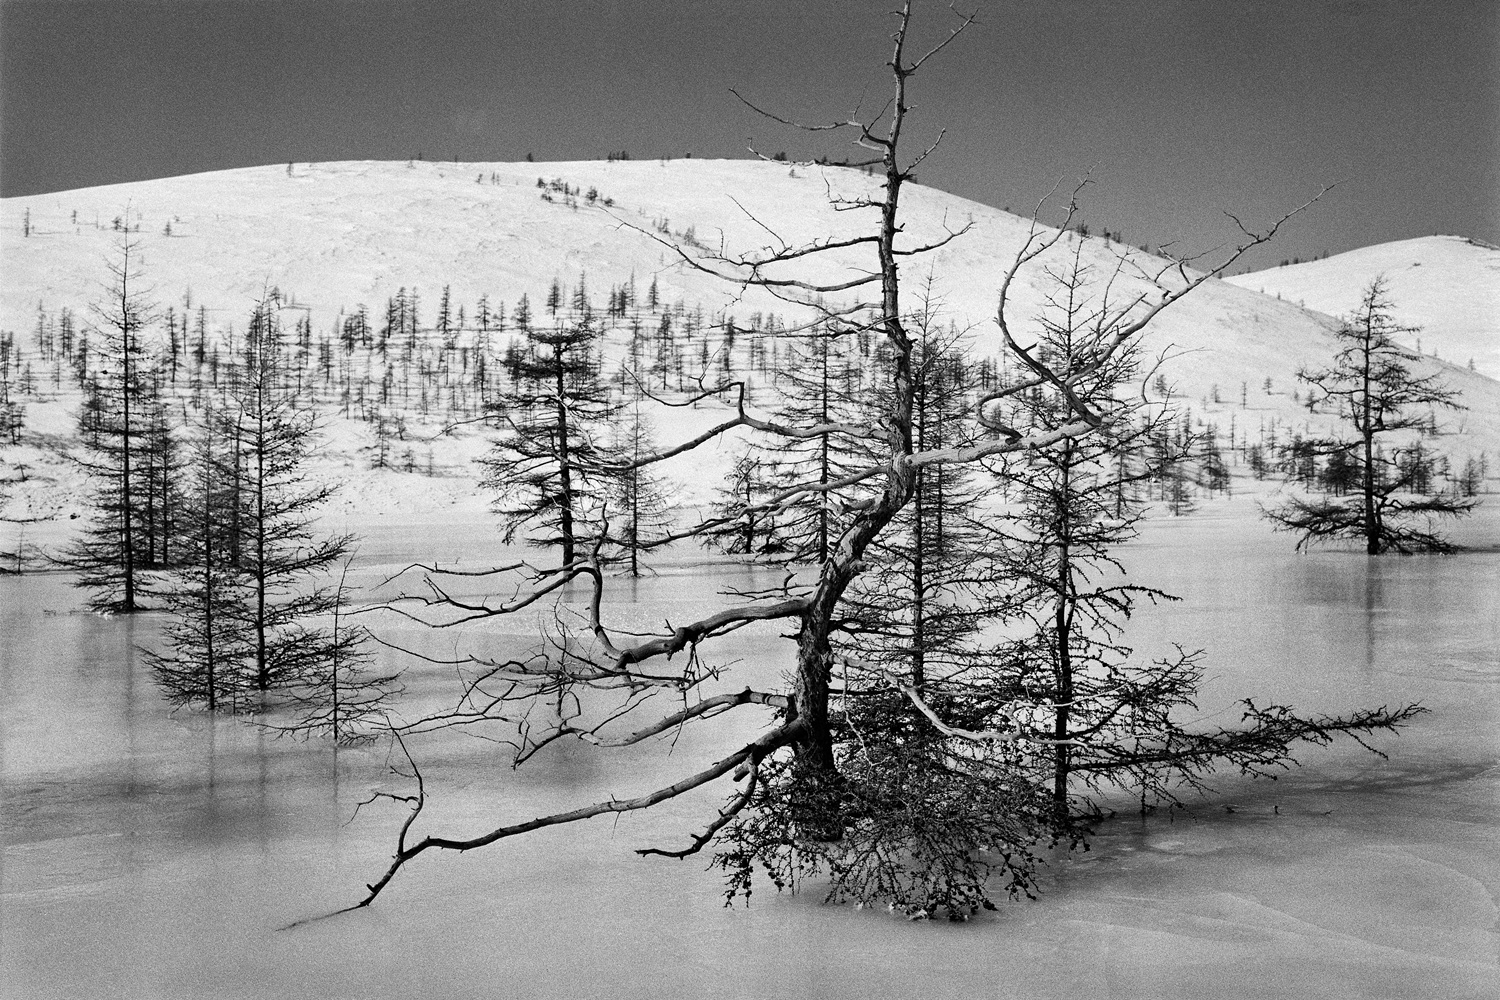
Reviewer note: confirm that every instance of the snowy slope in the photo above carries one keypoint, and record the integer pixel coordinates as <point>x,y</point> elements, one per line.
<point>1447,285</point>
<point>332,236</point>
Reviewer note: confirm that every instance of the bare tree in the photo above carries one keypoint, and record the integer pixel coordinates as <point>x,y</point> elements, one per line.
<point>798,753</point>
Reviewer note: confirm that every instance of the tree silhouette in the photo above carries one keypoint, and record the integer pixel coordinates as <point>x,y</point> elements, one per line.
<point>817,383</point>
<point>639,513</point>
<point>207,649</point>
<point>1067,672</point>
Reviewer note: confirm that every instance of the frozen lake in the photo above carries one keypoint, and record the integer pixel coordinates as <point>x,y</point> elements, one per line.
<point>148,854</point>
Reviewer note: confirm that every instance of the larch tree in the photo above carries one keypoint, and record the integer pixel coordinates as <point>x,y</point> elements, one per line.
<point>1111,720</point>
<point>638,514</point>
<point>207,649</point>
<point>160,468</point>
<point>340,696</point>
<point>790,785</point>
<point>739,522</point>
<point>12,408</point>
<point>916,602</point>
<point>815,384</point>
<point>247,612</point>
<point>914,800</point>
<point>1388,503</point>
<point>111,558</point>
<point>547,470</point>
<point>272,510</point>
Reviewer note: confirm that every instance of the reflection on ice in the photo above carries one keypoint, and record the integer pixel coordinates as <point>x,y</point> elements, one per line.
<point>152,854</point>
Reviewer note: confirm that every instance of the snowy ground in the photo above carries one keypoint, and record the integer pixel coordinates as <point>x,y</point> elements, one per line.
<point>333,236</point>
<point>1446,285</point>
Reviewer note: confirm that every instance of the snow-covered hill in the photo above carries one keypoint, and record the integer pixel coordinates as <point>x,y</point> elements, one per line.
<point>334,236</point>
<point>1447,285</point>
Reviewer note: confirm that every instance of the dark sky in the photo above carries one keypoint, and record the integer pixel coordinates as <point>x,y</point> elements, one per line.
<point>1183,108</point>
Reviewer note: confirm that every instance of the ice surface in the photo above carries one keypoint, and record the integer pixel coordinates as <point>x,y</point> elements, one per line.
<point>152,854</point>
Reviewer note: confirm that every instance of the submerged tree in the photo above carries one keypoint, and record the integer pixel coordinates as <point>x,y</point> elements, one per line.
<point>111,558</point>
<point>279,550</point>
<point>796,784</point>
<point>341,696</point>
<point>1110,719</point>
<point>639,513</point>
<point>249,610</point>
<point>742,522</point>
<point>160,470</point>
<point>1386,502</point>
<point>207,651</point>
<point>547,471</point>
<point>816,380</point>
<point>914,613</point>
<point>926,817</point>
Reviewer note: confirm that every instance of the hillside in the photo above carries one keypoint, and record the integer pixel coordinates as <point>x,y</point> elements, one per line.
<point>332,237</point>
<point>1447,285</point>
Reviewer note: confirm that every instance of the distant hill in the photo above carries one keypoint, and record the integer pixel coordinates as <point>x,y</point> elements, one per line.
<point>1447,285</point>
<point>333,236</point>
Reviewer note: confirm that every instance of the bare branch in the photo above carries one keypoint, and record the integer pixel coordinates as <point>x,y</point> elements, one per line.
<point>778,737</point>
<point>751,770</point>
<point>967,19</point>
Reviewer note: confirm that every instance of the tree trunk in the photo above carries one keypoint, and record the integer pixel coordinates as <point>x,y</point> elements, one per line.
<point>1063,624</point>
<point>127,497</point>
<point>263,675</point>
<point>1367,431</point>
<point>564,470</point>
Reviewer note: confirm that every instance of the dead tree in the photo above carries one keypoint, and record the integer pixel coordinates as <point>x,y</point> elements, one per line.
<point>799,748</point>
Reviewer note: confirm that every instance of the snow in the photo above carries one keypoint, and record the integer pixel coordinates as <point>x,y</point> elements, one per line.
<point>331,236</point>
<point>1448,286</point>
<point>335,235</point>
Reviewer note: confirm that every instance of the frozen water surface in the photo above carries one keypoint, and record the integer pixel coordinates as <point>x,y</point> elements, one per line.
<point>151,854</point>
